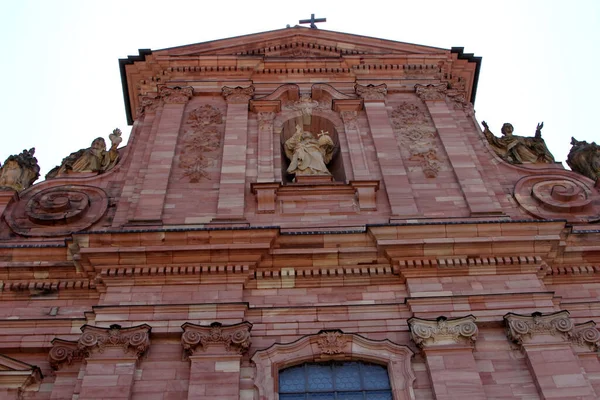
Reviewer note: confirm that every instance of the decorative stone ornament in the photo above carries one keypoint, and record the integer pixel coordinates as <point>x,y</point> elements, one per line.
<point>371,92</point>
<point>519,149</point>
<point>524,329</point>
<point>238,95</point>
<point>134,340</point>
<point>331,342</point>
<point>64,352</point>
<point>19,171</point>
<point>432,92</point>
<point>176,94</point>
<point>443,331</point>
<point>231,338</point>
<point>584,158</point>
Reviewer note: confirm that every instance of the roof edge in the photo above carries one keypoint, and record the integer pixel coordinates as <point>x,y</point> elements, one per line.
<point>123,62</point>
<point>470,57</point>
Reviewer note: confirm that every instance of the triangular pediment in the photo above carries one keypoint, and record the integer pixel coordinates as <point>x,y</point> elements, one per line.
<point>298,42</point>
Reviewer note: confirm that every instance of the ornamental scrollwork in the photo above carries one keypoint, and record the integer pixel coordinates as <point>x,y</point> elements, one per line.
<point>232,338</point>
<point>134,340</point>
<point>175,94</point>
<point>64,352</point>
<point>522,328</point>
<point>442,331</point>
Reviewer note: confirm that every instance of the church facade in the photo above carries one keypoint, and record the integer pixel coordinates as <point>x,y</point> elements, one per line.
<point>301,214</point>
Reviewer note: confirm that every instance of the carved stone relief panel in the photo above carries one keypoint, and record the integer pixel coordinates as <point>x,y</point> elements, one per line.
<point>416,133</point>
<point>201,142</point>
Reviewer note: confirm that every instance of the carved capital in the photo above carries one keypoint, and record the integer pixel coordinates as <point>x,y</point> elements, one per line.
<point>148,105</point>
<point>371,92</point>
<point>134,340</point>
<point>64,352</point>
<point>432,92</point>
<point>232,338</point>
<point>265,120</point>
<point>443,331</point>
<point>176,94</point>
<point>525,328</point>
<point>586,335</point>
<point>238,95</point>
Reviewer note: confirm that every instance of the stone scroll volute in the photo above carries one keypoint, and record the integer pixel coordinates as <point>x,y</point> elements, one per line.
<point>215,338</point>
<point>443,331</point>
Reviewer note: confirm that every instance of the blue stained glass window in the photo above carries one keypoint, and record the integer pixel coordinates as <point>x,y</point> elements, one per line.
<point>351,380</point>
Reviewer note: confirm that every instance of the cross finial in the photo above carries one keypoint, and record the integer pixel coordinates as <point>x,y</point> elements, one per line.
<point>312,21</point>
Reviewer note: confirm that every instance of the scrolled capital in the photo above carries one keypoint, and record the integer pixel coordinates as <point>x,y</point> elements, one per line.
<point>238,95</point>
<point>230,338</point>
<point>175,94</point>
<point>371,92</point>
<point>443,331</point>
<point>134,340</point>
<point>525,328</point>
<point>432,92</point>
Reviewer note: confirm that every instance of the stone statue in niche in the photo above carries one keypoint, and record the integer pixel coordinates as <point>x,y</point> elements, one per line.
<point>519,149</point>
<point>584,158</point>
<point>19,171</point>
<point>93,159</point>
<point>308,155</point>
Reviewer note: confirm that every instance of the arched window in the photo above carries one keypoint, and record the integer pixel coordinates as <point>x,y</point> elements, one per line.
<point>349,380</point>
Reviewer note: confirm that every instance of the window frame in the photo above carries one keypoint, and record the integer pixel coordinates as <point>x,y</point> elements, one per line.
<point>334,346</point>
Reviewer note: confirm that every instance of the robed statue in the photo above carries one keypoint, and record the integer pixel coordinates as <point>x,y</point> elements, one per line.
<point>519,149</point>
<point>93,159</point>
<point>584,158</point>
<point>308,155</point>
<point>19,171</point>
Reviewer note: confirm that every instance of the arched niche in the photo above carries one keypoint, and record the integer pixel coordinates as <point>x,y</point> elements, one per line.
<point>318,123</point>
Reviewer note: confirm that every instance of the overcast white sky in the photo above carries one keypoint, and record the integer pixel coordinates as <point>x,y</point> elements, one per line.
<point>62,86</point>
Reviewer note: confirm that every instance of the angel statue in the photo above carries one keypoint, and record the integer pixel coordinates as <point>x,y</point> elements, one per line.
<point>309,155</point>
<point>519,149</point>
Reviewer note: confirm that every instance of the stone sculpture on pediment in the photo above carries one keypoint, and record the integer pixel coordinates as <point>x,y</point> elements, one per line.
<point>93,159</point>
<point>19,171</point>
<point>201,142</point>
<point>308,155</point>
<point>519,149</point>
<point>584,158</point>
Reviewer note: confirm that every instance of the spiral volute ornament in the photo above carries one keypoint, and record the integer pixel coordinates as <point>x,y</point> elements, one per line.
<point>421,331</point>
<point>563,325</point>
<point>520,327</point>
<point>59,354</point>
<point>88,339</point>
<point>467,329</point>
<point>138,339</point>
<point>57,211</point>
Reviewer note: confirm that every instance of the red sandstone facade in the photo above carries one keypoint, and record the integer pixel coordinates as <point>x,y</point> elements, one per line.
<point>196,268</point>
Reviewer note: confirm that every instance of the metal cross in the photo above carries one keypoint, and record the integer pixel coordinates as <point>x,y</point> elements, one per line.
<point>312,21</point>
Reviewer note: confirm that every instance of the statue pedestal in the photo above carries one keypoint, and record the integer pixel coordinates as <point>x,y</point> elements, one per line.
<point>313,179</point>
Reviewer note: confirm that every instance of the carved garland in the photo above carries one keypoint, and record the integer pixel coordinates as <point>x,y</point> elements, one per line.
<point>201,142</point>
<point>416,132</point>
<point>441,331</point>
<point>233,338</point>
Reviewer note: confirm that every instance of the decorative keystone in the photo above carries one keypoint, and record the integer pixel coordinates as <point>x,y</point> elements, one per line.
<point>332,342</point>
<point>238,95</point>
<point>371,92</point>
<point>176,94</point>
<point>443,331</point>
<point>432,92</point>
<point>134,340</point>
<point>233,338</point>
<point>64,352</point>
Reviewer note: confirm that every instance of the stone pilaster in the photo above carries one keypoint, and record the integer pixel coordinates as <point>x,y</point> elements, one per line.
<point>215,353</point>
<point>448,348</point>
<point>65,359</point>
<point>232,188</point>
<point>349,110</point>
<point>160,154</point>
<point>111,356</point>
<point>394,174</point>
<point>266,112</point>
<point>454,138</point>
<point>547,341</point>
